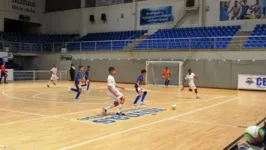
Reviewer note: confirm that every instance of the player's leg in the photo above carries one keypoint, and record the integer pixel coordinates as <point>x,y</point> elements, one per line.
<point>114,104</point>
<point>139,92</point>
<point>48,84</point>
<point>54,82</point>
<point>143,97</point>
<point>88,85</point>
<point>5,76</point>
<point>1,77</point>
<point>168,81</point>
<point>193,86</point>
<point>120,107</point>
<point>79,90</point>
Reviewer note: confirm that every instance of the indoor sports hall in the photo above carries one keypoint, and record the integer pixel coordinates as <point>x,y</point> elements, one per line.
<point>180,74</point>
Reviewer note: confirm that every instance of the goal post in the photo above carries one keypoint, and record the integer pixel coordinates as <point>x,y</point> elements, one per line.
<point>155,71</point>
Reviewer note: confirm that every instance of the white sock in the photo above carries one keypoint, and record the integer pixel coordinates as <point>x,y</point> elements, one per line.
<point>109,107</point>
<point>49,83</point>
<point>120,107</point>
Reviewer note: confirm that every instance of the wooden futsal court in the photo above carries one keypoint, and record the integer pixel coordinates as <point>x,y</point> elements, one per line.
<point>34,117</point>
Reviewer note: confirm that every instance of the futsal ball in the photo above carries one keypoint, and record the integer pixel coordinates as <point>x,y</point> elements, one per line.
<point>174,107</point>
<point>254,134</point>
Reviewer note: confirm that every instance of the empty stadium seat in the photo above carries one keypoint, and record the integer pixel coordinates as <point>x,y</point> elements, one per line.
<point>257,38</point>
<point>195,37</point>
<point>106,40</point>
<point>33,42</point>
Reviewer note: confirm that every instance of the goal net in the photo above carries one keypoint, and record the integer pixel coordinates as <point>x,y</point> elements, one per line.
<point>155,72</point>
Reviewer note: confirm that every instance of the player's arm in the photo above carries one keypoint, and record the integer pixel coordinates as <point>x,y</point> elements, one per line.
<point>195,76</point>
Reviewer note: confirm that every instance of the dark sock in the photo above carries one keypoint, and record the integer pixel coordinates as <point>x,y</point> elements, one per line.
<point>77,96</point>
<point>137,99</point>
<point>143,96</point>
<point>88,86</point>
<point>74,90</point>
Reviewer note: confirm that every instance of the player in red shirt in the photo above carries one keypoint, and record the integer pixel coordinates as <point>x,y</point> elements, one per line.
<point>3,73</point>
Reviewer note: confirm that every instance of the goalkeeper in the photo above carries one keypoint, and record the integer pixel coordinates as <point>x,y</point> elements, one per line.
<point>166,75</point>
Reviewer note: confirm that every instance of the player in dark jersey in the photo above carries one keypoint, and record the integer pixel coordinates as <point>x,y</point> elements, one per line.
<point>87,78</point>
<point>139,89</point>
<point>78,81</point>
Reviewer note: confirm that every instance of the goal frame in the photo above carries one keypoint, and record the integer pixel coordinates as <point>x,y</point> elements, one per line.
<point>180,63</point>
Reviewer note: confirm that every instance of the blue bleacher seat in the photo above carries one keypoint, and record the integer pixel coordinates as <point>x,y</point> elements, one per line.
<point>257,37</point>
<point>195,37</point>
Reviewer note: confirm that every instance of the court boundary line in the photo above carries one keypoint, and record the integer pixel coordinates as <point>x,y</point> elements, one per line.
<point>36,96</point>
<point>31,100</point>
<point>148,124</point>
<point>43,116</point>
<point>209,123</point>
<point>197,101</point>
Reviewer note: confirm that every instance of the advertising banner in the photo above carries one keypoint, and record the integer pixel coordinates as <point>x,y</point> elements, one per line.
<point>158,15</point>
<point>251,82</point>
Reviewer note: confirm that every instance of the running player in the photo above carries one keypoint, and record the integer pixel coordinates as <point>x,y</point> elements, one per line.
<point>139,89</point>
<point>166,75</point>
<point>54,77</point>
<point>117,97</point>
<point>78,81</point>
<point>87,78</point>
<point>190,77</point>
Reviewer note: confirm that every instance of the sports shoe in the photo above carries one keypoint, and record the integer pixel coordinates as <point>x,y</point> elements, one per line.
<point>135,104</point>
<point>104,111</point>
<point>120,114</point>
<point>69,89</point>
<point>48,86</point>
<point>197,97</point>
<point>54,84</point>
<point>142,103</point>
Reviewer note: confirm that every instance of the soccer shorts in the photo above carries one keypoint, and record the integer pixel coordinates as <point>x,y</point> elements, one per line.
<point>192,85</point>
<point>3,74</point>
<point>117,95</point>
<point>54,77</point>
<point>138,89</point>
<point>78,86</point>
<point>87,81</point>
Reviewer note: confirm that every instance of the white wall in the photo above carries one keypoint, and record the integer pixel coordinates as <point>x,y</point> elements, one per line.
<point>77,21</point>
<point>7,11</point>
<point>63,21</point>
<point>191,19</point>
<point>113,15</point>
<point>212,17</point>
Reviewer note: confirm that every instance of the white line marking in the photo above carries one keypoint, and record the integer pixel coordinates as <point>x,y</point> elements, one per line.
<point>25,99</point>
<point>141,126</point>
<point>209,123</point>
<point>42,116</point>
<point>100,98</point>
<point>197,101</point>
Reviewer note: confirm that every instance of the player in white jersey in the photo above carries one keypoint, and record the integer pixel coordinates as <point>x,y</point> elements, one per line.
<point>190,77</point>
<point>117,97</point>
<point>54,77</point>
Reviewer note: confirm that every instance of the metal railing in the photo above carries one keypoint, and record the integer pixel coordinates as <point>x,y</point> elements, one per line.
<point>20,75</point>
<point>208,43</point>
